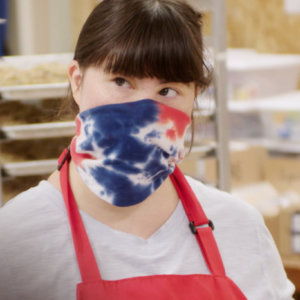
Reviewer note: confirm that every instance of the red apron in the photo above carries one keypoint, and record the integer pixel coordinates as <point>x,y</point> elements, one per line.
<point>159,287</point>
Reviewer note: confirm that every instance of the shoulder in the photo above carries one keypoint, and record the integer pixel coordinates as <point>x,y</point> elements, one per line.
<point>222,205</point>
<point>248,251</point>
<point>33,230</point>
<point>30,220</point>
<point>238,225</point>
<point>35,197</point>
<point>30,210</point>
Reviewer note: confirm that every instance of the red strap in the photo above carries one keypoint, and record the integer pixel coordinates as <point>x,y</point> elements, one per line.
<point>189,200</point>
<point>196,215</point>
<point>85,256</point>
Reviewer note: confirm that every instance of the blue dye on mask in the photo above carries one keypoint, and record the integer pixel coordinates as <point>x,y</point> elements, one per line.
<point>124,152</point>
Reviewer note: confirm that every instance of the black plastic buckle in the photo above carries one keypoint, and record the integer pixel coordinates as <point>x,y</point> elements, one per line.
<point>194,228</point>
<point>67,156</point>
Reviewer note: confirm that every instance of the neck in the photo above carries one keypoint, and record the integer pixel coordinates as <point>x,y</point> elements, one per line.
<point>142,219</point>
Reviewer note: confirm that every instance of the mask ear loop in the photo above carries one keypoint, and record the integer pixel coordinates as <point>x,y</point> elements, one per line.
<point>192,131</point>
<point>65,158</point>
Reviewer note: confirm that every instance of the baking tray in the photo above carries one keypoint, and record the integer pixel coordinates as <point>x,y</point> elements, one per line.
<point>29,168</point>
<point>38,131</point>
<point>34,91</point>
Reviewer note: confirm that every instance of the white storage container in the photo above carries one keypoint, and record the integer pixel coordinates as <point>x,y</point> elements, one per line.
<point>253,75</point>
<point>282,125</point>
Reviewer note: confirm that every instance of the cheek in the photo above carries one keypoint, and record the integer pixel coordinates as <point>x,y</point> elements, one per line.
<point>188,101</point>
<point>93,97</point>
<point>188,105</point>
<point>191,106</point>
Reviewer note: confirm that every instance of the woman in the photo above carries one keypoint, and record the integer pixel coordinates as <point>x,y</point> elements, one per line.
<point>138,227</point>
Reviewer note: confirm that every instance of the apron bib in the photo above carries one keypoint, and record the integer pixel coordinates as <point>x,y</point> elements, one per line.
<point>159,287</point>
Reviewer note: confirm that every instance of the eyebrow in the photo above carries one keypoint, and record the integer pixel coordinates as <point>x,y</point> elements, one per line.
<point>188,84</point>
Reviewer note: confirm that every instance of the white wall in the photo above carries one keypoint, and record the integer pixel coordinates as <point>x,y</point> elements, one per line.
<point>292,6</point>
<point>39,26</point>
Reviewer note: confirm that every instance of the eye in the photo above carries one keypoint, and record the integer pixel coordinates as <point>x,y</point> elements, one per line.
<point>120,81</point>
<point>168,92</point>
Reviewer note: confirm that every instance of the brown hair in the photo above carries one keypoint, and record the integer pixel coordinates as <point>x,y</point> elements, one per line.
<point>145,38</point>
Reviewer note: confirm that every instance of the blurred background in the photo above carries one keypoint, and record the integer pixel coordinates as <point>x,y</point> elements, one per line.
<point>254,47</point>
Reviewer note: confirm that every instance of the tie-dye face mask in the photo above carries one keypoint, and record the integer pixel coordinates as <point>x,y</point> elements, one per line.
<point>123,152</point>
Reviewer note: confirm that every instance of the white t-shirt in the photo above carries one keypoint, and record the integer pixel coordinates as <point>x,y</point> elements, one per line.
<point>37,258</point>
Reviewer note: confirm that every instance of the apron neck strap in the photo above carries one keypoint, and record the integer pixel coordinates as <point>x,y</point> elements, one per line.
<point>200,225</point>
<point>84,253</point>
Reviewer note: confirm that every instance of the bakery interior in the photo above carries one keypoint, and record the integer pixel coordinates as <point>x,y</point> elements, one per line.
<point>254,47</point>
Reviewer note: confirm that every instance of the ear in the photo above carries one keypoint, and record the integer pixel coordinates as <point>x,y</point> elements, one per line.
<point>75,78</point>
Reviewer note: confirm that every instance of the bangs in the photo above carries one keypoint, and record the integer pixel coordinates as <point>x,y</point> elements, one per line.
<point>145,38</point>
<point>158,47</point>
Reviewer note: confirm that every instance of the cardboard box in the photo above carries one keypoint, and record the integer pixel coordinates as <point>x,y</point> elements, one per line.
<point>289,230</point>
<point>273,224</point>
<point>283,172</point>
<point>189,167</point>
<point>281,213</point>
<point>246,165</point>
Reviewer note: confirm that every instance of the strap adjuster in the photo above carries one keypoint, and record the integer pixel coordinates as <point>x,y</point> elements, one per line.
<point>193,227</point>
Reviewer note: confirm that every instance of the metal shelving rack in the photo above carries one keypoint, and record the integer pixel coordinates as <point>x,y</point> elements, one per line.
<point>33,93</point>
<point>216,42</point>
<point>222,127</point>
